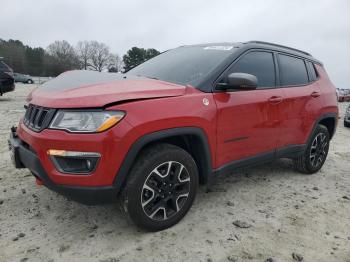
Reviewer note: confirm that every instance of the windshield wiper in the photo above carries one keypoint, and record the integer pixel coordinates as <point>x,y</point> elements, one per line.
<point>150,77</point>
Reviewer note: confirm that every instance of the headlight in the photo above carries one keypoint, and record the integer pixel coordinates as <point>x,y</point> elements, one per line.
<point>86,121</point>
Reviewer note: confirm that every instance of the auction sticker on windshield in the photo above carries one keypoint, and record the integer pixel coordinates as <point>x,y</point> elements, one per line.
<point>219,47</point>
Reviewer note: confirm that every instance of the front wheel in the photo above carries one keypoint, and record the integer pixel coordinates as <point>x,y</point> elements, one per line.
<point>316,152</point>
<point>161,187</point>
<point>30,81</point>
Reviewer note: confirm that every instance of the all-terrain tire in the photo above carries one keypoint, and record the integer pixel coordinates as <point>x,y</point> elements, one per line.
<point>316,152</point>
<point>147,191</point>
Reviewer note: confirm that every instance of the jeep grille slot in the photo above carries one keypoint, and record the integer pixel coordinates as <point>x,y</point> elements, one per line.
<point>37,118</point>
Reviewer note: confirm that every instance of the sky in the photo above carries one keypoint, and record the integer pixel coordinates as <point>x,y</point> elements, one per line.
<point>321,27</point>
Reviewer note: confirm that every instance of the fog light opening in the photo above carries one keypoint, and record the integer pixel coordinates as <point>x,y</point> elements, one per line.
<point>64,153</point>
<point>74,162</point>
<point>88,164</point>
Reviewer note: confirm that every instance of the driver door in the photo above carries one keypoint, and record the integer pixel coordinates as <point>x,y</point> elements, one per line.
<point>248,120</point>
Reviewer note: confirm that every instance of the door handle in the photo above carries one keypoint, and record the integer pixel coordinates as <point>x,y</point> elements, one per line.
<point>315,94</point>
<point>275,99</point>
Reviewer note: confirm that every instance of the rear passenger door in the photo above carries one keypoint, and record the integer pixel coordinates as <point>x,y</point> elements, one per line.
<point>297,79</point>
<point>246,119</point>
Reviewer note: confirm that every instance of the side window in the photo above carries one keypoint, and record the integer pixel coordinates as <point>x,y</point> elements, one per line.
<point>259,64</point>
<point>312,71</point>
<point>292,70</point>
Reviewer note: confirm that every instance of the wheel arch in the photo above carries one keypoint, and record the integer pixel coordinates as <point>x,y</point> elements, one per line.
<point>191,139</point>
<point>330,123</point>
<point>329,120</point>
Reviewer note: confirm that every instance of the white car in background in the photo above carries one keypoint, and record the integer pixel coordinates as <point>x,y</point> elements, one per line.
<point>347,117</point>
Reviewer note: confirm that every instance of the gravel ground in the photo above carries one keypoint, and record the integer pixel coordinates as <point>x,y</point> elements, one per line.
<point>266,213</point>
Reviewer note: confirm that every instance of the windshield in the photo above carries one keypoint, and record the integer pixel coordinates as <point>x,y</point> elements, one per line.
<point>183,65</point>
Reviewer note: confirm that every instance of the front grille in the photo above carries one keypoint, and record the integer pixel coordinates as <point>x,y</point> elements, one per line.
<point>38,118</point>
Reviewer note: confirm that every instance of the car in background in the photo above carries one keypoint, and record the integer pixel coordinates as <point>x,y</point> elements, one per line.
<point>340,95</point>
<point>347,95</point>
<point>343,95</point>
<point>347,117</point>
<point>7,82</point>
<point>27,79</point>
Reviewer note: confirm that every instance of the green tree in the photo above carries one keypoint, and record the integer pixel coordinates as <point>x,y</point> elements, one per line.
<point>25,59</point>
<point>136,56</point>
<point>37,61</point>
<point>13,52</point>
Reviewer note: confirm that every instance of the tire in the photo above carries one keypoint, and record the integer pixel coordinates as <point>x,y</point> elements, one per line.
<point>161,187</point>
<point>316,152</point>
<point>29,81</point>
<point>346,124</point>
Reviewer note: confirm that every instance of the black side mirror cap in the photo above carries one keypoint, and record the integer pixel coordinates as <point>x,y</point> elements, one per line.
<point>241,81</point>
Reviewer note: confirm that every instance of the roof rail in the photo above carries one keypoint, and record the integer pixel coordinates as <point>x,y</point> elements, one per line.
<point>282,46</point>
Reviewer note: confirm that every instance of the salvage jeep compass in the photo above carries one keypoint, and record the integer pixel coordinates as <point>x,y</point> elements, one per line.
<point>151,135</point>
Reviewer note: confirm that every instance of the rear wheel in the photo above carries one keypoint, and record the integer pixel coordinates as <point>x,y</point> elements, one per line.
<point>29,81</point>
<point>161,187</point>
<point>316,152</point>
<point>346,124</point>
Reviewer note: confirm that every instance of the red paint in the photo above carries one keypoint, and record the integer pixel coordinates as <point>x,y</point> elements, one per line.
<point>102,94</point>
<point>247,114</point>
<point>260,120</point>
<point>39,182</point>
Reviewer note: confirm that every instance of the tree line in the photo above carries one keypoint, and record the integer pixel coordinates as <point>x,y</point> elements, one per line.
<point>61,56</point>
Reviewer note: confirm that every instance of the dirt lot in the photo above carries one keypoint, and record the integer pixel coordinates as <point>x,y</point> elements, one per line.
<point>286,213</point>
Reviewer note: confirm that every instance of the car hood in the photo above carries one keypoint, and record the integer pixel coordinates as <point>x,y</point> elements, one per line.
<point>82,89</point>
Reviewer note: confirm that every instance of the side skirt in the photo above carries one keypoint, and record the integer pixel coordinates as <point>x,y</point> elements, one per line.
<point>285,152</point>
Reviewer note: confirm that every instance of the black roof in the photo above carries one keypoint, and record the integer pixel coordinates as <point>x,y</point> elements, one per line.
<point>265,45</point>
<point>281,48</point>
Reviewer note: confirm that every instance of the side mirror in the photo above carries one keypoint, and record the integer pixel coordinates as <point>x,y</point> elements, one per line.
<point>240,81</point>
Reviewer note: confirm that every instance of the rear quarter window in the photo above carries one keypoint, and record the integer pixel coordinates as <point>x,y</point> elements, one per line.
<point>312,71</point>
<point>292,71</point>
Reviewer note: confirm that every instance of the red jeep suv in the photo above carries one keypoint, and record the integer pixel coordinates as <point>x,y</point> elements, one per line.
<point>151,135</point>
